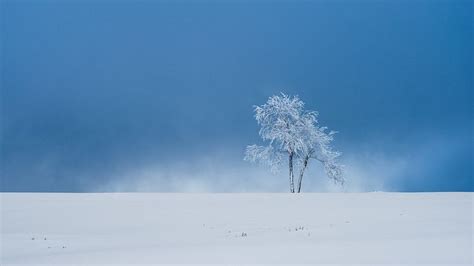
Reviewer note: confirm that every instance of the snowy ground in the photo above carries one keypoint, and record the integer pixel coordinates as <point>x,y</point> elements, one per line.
<point>365,228</point>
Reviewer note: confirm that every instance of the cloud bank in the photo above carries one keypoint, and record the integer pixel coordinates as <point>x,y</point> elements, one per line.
<point>366,169</point>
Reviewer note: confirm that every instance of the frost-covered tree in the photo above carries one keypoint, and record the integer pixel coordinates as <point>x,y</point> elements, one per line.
<point>292,132</point>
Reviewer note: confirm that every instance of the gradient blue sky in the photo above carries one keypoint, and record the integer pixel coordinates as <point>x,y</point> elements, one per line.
<point>158,96</point>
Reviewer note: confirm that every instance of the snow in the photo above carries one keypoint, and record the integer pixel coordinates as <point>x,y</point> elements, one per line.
<point>134,228</point>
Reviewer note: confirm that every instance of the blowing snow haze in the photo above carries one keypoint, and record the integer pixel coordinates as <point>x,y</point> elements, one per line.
<point>158,96</point>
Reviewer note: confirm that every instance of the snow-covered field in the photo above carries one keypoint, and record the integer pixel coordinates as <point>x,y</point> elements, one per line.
<point>134,228</point>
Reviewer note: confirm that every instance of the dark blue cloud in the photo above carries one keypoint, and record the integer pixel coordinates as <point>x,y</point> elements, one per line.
<point>91,91</point>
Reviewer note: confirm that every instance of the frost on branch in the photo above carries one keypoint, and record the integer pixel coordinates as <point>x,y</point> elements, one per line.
<point>294,133</point>
<point>329,157</point>
<point>334,171</point>
<point>264,156</point>
<point>280,121</point>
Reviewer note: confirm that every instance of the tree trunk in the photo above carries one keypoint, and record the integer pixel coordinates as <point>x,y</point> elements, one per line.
<point>300,180</point>
<point>290,161</point>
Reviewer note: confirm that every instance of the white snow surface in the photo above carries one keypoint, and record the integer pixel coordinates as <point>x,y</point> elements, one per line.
<point>169,228</point>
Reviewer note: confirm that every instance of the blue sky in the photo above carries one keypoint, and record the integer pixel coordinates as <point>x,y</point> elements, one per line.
<point>158,96</point>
